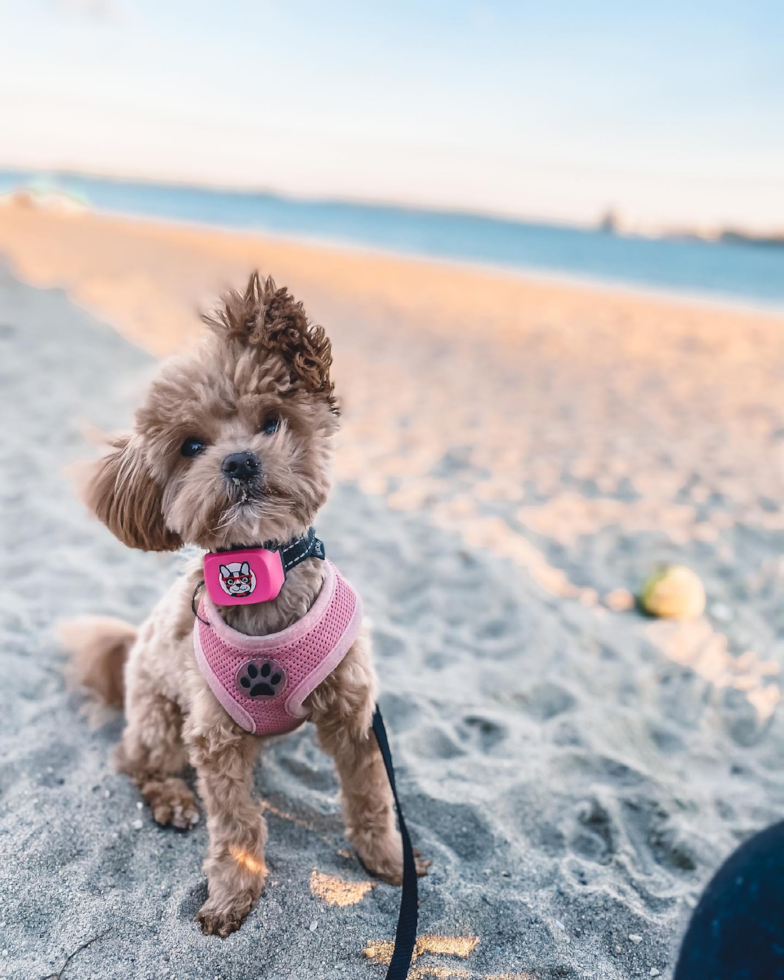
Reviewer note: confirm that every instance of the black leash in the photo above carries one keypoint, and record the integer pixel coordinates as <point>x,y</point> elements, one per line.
<point>405,937</point>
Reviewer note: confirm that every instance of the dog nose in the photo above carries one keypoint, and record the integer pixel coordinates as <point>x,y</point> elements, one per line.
<point>243,467</point>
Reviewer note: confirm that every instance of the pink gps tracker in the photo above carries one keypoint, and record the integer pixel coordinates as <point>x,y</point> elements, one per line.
<point>237,578</point>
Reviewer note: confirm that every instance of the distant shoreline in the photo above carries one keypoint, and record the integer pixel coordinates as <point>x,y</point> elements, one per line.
<point>327,199</point>
<point>700,300</point>
<point>610,221</point>
<point>728,271</point>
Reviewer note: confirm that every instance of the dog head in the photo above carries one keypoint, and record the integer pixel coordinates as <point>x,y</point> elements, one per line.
<point>232,445</point>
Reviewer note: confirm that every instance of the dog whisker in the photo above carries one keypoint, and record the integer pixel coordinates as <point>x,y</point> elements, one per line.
<point>229,518</point>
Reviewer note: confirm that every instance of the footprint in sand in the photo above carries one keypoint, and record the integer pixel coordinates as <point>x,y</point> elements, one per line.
<point>595,837</point>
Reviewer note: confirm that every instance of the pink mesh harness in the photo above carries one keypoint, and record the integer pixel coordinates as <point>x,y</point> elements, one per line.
<point>262,681</point>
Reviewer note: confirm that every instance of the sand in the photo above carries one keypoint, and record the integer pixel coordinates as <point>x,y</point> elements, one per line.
<point>516,455</point>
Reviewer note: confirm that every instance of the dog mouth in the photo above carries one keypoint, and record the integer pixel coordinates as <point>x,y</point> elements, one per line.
<point>242,501</point>
<point>248,505</point>
<point>243,492</point>
<point>250,498</point>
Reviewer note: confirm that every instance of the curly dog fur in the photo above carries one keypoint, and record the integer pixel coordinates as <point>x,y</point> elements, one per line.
<point>261,360</point>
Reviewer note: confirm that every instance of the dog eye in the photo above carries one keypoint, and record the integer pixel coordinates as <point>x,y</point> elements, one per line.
<point>270,425</point>
<point>192,447</point>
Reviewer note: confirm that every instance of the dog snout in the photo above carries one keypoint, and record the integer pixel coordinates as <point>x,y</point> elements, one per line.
<point>242,467</point>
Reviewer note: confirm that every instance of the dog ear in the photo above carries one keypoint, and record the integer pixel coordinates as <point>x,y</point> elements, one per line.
<point>245,570</point>
<point>121,492</point>
<point>225,571</point>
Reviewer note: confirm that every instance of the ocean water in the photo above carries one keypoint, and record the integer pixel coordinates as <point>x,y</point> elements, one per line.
<point>752,274</point>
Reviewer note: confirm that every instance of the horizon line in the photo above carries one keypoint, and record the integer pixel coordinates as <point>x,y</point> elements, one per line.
<point>608,213</point>
<point>509,217</point>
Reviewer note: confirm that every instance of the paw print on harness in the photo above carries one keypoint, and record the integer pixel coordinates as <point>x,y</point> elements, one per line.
<point>260,678</point>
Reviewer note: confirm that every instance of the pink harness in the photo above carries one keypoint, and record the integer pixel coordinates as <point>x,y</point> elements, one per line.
<point>262,681</point>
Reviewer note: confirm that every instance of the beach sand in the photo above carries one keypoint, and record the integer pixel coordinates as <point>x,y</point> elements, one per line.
<point>515,457</point>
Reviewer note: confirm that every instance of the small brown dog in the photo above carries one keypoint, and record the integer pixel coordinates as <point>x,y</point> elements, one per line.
<point>258,384</point>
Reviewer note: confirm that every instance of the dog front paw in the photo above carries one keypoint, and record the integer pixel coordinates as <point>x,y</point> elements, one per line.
<point>215,921</point>
<point>394,875</point>
<point>386,862</point>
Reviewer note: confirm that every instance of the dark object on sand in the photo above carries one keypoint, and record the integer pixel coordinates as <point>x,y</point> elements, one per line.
<point>737,930</point>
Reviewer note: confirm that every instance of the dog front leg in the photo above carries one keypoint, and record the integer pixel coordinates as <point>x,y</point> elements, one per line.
<point>342,708</point>
<point>235,866</point>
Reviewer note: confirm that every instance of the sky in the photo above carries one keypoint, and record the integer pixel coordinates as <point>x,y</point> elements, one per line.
<point>671,113</point>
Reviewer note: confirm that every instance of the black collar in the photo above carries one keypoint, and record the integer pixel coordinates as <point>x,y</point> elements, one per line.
<point>292,553</point>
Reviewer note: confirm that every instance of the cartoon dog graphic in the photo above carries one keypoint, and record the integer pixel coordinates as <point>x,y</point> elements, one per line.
<point>237,579</point>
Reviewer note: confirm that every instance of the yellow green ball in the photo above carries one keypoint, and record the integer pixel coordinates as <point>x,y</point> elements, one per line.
<point>673,591</point>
